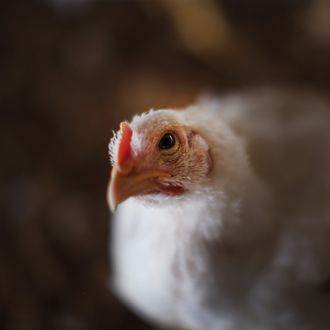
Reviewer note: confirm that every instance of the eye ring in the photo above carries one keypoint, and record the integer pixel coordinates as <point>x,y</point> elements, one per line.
<point>167,141</point>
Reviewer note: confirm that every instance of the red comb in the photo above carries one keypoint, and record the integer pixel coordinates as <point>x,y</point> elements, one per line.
<point>124,150</point>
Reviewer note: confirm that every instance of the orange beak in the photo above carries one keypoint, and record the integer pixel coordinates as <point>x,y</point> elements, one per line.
<point>125,184</point>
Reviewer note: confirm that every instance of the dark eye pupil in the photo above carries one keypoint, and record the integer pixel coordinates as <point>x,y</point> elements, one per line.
<point>167,141</point>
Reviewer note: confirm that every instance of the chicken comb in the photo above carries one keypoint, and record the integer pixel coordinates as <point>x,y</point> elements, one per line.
<point>124,148</point>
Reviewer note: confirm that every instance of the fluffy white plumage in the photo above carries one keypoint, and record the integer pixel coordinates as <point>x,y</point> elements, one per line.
<point>248,247</point>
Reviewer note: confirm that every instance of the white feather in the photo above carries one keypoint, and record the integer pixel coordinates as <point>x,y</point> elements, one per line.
<point>250,249</point>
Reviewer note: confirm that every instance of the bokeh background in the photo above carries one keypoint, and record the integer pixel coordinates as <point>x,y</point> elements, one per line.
<point>70,70</point>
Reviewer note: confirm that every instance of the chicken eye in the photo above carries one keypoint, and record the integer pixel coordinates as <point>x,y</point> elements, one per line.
<point>167,141</point>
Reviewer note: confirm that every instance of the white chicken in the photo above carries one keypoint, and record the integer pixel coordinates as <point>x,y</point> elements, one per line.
<point>224,215</point>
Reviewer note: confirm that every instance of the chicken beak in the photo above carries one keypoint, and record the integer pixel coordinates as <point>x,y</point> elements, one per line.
<point>124,185</point>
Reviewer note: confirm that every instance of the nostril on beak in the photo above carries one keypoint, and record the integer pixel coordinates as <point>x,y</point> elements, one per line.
<point>126,167</point>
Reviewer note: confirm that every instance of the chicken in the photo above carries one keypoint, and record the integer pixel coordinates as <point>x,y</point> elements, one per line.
<point>223,213</point>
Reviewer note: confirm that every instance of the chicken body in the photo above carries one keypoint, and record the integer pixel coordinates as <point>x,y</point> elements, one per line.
<point>249,247</point>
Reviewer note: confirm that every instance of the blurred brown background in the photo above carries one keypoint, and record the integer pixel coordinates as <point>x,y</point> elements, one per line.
<point>69,72</point>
